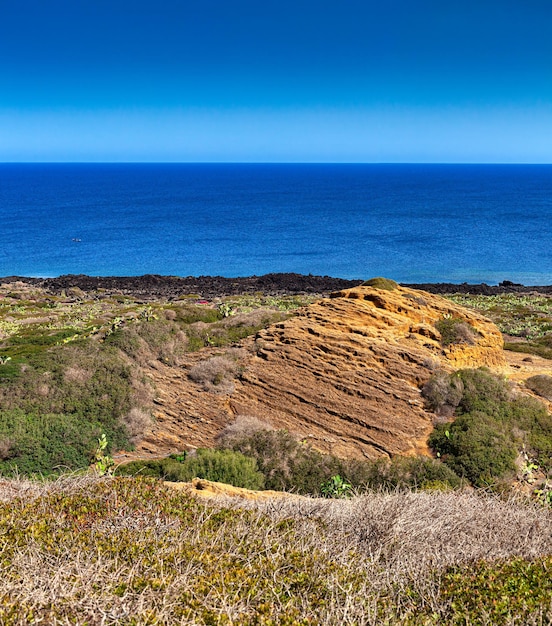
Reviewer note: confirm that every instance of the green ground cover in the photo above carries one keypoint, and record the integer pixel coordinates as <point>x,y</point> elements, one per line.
<point>524,319</point>
<point>70,365</point>
<point>129,551</point>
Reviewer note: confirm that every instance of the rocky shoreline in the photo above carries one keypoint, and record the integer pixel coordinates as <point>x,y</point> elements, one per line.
<point>151,286</point>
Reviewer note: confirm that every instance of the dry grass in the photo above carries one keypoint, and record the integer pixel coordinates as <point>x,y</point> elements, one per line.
<point>137,421</point>
<point>541,384</point>
<point>414,531</point>
<point>215,374</point>
<point>84,550</point>
<point>76,374</point>
<point>242,426</point>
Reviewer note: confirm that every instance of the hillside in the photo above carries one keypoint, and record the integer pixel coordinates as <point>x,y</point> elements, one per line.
<point>345,373</point>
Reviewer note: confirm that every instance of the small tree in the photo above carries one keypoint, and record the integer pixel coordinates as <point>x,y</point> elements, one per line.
<point>103,462</point>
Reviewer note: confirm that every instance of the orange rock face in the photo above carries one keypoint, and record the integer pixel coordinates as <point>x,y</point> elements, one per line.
<point>345,374</point>
<point>208,490</point>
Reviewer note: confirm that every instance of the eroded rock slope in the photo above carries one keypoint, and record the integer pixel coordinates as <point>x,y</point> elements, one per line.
<point>345,373</point>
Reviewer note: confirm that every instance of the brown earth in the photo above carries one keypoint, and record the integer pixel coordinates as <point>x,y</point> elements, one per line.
<point>521,367</point>
<point>207,490</point>
<point>345,374</point>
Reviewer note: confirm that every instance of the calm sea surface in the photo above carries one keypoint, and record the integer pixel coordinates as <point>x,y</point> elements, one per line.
<point>412,223</point>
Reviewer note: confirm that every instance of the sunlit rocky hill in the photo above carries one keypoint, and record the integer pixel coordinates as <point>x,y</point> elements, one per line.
<point>345,373</point>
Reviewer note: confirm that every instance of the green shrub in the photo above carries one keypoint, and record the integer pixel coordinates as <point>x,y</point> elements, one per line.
<point>535,347</point>
<point>381,283</point>
<point>125,339</point>
<point>474,446</point>
<point>455,330</point>
<point>541,385</point>
<point>493,593</point>
<point>482,391</point>
<point>410,473</point>
<point>224,466</point>
<point>491,426</point>
<point>231,329</point>
<point>287,464</point>
<point>190,314</point>
<point>290,465</point>
<point>336,487</point>
<point>167,469</point>
<point>87,385</point>
<point>45,444</point>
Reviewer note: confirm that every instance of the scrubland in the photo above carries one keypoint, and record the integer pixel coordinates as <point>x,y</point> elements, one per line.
<point>88,550</point>
<point>462,538</point>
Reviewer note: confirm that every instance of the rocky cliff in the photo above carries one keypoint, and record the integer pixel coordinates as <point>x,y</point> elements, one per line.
<point>345,374</point>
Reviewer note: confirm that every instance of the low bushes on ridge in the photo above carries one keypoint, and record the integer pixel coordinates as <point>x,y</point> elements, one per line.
<point>491,428</point>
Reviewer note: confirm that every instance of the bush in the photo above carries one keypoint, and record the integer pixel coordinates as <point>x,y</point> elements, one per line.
<point>287,464</point>
<point>136,423</point>
<point>475,447</point>
<point>231,329</point>
<point>491,427</point>
<point>443,392</point>
<point>410,473</point>
<point>541,385</point>
<point>242,427</point>
<point>125,339</point>
<point>223,466</point>
<point>45,444</point>
<point>492,593</point>
<point>483,391</point>
<point>381,283</point>
<point>160,339</point>
<point>166,469</point>
<point>215,374</point>
<point>87,385</point>
<point>455,330</point>
<point>467,390</point>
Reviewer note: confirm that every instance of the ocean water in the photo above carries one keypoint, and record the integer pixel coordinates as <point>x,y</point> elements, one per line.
<point>412,223</point>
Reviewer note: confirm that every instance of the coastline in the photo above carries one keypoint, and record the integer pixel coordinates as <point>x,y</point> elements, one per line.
<point>151,286</point>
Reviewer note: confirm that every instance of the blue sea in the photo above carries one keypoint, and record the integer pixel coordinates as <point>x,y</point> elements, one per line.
<point>412,223</point>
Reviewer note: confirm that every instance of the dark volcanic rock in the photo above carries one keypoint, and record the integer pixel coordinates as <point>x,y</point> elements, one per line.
<point>481,289</point>
<point>155,286</point>
<point>151,286</point>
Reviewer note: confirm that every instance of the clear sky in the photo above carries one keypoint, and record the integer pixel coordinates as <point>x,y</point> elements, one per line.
<point>285,80</point>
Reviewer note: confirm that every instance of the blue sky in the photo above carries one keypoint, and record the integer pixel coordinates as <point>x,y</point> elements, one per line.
<point>213,80</point>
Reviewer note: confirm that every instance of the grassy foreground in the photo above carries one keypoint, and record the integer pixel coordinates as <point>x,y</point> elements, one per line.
<point>89,550</point>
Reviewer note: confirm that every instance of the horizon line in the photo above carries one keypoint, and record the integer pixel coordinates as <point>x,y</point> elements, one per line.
<point>505,163</point>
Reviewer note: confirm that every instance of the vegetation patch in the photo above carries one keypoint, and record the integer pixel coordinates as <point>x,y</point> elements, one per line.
<point>216,373</point>
<point>289,464</point>
<point>525,319</point>
<point>85,550</point>
<point>492,426</point>
<point>504,592</point>
<point>381,283</point>
<point>541,385</point>
<point>223,466</point>
<point>81,360</point>
<point>455,330</point>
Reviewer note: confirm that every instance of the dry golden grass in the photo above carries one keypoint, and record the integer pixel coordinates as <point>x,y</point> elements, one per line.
<point>85,550</point>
